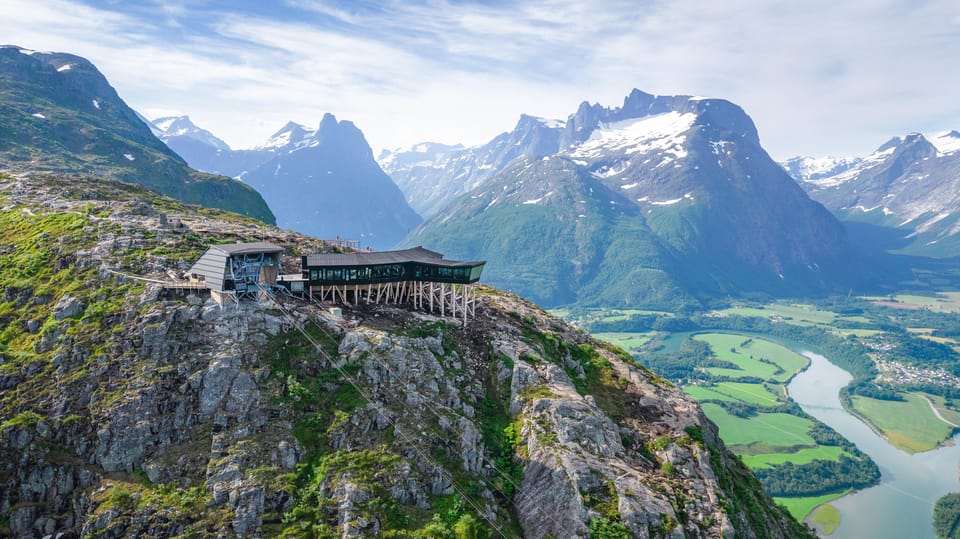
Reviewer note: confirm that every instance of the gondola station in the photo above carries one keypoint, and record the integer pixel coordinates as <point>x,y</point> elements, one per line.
<point>417,277</point>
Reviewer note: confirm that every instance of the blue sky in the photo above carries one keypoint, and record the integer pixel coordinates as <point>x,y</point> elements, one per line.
<point>818,77</point>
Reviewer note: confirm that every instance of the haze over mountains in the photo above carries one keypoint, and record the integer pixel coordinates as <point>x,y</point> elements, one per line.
<point>323,182</point>
<point>904,196</point>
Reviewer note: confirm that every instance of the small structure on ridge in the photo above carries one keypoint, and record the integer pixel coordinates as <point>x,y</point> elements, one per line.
<point>237,270</point>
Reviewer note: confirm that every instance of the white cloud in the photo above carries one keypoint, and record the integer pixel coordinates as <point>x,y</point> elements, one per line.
<point>817,77</point>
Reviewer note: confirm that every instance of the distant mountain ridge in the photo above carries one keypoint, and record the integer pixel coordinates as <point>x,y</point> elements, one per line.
<point>909,186</point>
<point>432,175</point>
<point>660,200</point>
<point>323,182</point>
<point>58,113</point>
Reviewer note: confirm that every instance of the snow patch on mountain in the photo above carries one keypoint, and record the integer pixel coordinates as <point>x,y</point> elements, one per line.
<point>291,137</point>
<point>876,158</point>
<point>945,142</point>
<point>163,124</point>
<point>659,132</point>
<point>551,122</point>
<point>64,67</point>
<point>816,168</point>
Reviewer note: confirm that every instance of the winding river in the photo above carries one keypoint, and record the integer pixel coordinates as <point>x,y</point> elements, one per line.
<point>901,506</point>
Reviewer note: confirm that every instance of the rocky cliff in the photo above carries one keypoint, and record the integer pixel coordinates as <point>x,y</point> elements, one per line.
<point>127,412</point>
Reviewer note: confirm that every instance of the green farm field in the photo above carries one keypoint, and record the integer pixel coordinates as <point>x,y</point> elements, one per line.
<point>630,342</point>
<point>778,429</point>
<point>801,507</point>
<point>942,301</point>
<point>729,391</point>
<point>765,439</point>
<point>910,425</point>
<point>826,519</point>
<point>804,315</point>
<point>803,456</point>
<point>747,353</point>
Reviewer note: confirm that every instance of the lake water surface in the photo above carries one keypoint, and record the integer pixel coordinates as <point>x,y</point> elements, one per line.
<point>901,506</point>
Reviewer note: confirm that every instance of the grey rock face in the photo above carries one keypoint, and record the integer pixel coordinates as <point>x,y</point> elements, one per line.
<point>67,307</point>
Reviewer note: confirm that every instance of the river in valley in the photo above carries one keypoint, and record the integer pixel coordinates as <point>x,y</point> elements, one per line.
<point>901,506</point>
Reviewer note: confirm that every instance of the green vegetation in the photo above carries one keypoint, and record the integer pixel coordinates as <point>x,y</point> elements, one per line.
<point>800,508</point>
<point>909,424</point>
<point>759,394</point>
<point>79,139</point>
<point>631,342</point>
<point>801,456</point>
<point>826,519</point>
<point>166,507</point>
<point>603,528</point>
<point>777,429</point>
<point>739,379</point>
<point>755,358</point>
<point>946,516</point>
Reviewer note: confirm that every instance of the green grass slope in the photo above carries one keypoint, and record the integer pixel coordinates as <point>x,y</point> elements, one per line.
<point>59,114</point>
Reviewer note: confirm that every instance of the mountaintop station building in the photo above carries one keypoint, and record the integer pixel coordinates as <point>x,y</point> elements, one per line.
<point>416,276</point>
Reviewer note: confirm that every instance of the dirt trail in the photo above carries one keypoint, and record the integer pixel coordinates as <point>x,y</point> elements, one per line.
<point>937,413</point>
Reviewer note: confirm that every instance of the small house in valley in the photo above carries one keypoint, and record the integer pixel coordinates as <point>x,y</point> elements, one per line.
<point>237,270</point>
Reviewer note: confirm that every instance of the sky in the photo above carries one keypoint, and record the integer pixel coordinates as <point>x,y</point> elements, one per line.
<point>819,77</point>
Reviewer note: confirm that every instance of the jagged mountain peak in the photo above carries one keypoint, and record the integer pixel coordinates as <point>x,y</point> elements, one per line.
<point>341,133</point>
<point>527,121</point>
<point>288,137</point>
<point>181,126</point>
<point>909,185</point>
<point>911,146</point>
<point>684,177</point>
<point>723,118</point>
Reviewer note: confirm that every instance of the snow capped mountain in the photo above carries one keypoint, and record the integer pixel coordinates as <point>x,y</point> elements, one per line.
<point>663,197</point>
<point>173,128</point>
<point>313,179</point>
<point>910,185</point>
<point>432,175</point>
<point>424,154</point>
<point>290,137</point>
<point>817,168</point>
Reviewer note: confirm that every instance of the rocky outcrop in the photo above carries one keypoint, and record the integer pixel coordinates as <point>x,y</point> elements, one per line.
<point>144,414</point>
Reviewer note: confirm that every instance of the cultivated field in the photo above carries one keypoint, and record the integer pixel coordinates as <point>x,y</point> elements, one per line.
<point>910,425</point>
<point>757,358</point>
